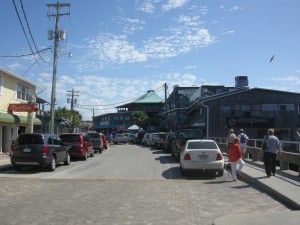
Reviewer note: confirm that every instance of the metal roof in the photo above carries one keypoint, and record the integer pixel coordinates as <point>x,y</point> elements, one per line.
<point>149,97</point>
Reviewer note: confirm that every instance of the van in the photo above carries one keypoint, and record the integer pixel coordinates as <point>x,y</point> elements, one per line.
<point>80,144</point>
<point>97,141</point>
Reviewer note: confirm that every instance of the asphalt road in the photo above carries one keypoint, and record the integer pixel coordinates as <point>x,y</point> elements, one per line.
<point>126,184</point>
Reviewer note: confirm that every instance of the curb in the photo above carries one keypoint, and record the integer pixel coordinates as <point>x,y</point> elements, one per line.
<point>6,168</point>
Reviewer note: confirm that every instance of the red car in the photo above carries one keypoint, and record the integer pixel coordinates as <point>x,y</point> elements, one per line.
<point>105,142</point>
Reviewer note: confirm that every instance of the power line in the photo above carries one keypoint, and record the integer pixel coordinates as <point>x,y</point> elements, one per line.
<point>28,27</point>
<point>24,29</point>
<point>24,55</point>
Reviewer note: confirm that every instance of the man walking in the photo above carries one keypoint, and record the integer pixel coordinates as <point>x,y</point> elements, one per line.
<point>243,142</point>
<point>274,147</point>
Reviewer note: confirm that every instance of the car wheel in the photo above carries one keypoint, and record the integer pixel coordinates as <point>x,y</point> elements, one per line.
<point>68,159</point>
<point>17,167</point>
<point>221,173</point>
<point>52,165</point>
<point>92,154</point>
<point>183,173</point>
<point>85,155</point>
<point>172,154</point>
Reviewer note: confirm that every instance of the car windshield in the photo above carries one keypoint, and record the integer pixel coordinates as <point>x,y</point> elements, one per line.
<point>194,134</point>
<point>202,145</point>
<point>94,135</point>
<point>30,139</point>
<point>70,138</point>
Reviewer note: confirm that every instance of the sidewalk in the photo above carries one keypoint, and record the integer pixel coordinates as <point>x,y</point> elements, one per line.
<point>285,187</point>
<point>5,162</point>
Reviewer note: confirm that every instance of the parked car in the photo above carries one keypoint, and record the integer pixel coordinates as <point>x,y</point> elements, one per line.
<point>181,138</point>
<point>160,139</point>
<point>202,155</point>
<point>139,137</point>
<point>120,138</point>
<point>97,141</point>
<point>105,142</point>
<point>167,146</point>
<point>80,143</point>
<point>131,138</point>
<point>145,139</point>
<point>37,149</point>
<point>149,141</point>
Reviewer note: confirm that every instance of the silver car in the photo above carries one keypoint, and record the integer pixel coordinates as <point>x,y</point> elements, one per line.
<point>202,154</point>
<point>120,138</point>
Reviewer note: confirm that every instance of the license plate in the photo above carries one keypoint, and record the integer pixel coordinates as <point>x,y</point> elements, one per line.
<point>27,150</point>
<point>203,157</point>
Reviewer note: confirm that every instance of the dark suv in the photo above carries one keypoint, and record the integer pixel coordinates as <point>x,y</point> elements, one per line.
<point>181,137</point>
<point>35,149</point>
<point>80,144</point>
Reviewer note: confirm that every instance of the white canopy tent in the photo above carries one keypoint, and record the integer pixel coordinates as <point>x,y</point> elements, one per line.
<point>133,127</point>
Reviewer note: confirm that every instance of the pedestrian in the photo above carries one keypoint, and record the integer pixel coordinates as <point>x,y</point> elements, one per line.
<point>230,137</point>
<point>243,142</point>
<point>235,158</point>
<point>274,147</point>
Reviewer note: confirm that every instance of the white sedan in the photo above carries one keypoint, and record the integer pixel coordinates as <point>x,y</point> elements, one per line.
<point>202,154</point>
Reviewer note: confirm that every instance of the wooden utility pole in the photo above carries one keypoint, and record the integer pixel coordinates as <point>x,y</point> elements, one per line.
<point>57,35</point>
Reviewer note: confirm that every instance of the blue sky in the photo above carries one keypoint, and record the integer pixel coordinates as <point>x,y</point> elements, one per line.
<point>122,48</point>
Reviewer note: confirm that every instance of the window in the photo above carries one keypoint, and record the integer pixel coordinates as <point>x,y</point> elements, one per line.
<point>269,107</point>
<point>225,109</point>
<point>202,145</point>
<point>22,92</point>
<point>286,107</point>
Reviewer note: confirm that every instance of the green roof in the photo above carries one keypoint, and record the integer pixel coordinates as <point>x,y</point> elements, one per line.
<point>149,97</point>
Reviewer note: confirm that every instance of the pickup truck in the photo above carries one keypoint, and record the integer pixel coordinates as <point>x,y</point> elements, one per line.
<point>181,138</point>
<point>159,139</point>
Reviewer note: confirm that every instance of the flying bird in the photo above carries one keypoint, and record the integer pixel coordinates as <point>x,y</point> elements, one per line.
<point>272,58</point>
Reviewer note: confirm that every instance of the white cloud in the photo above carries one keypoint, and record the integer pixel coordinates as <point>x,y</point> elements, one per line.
<point>173,4</point>
<point>287,78</point>
<point>235,8</point>
<point>130,26</point>
<point>228,32</point>
<point>147,6</point>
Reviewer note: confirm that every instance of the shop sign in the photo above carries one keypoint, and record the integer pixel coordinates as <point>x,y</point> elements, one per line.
<point>22,108</point>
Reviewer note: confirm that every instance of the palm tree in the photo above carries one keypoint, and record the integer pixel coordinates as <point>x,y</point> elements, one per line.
<point>73,116</point>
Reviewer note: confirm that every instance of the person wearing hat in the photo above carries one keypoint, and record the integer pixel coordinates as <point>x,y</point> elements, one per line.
<point>230,138</point>
<point>243,141</point>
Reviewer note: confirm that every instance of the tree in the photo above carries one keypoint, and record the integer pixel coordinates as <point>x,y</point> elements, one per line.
<point>139,117</point>
<point>73,116</point>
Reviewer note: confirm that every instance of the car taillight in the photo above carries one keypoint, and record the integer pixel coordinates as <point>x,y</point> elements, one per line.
<point>81,147</point>
<point>219,156</point>
<point>187,156</point>
<point>44,150</point>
